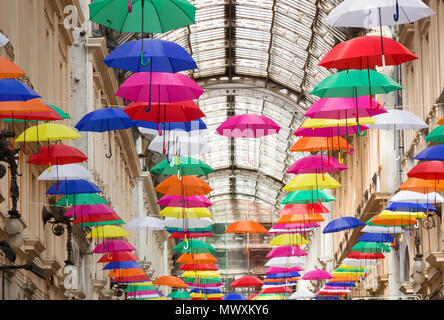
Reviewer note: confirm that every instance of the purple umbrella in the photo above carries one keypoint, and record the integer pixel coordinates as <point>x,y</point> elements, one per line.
<point>316,164</point>
<point>317,274</point>
<point>186,202</point>
<point>285,251</point>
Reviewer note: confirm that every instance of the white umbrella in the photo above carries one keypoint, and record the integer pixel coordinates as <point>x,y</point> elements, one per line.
<point>303,294</point>
<point>66,171</point>
<point>396,119</point>
<point>285,262</point>
<point>271,285</point>
<point>3,40</point>
<point>375,13</point>
<point>190,223</point>
<point>300,230</point>
<point>416,197</point>
<point>379,229</point>
<point>148,223</point>
<point>182,145</point>
<point>178,132</point>
<point>360,262</point>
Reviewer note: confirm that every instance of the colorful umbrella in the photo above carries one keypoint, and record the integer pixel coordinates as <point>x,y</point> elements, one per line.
<point>73,187</point>
<point>436,135</point>
<point>53,113</point>
<point>316,164</point>
<point>192,213</point>
<point>89,210</point>
<point>13,90</point>
<point>107,232</point>
<point>303,208</point>
<point>247,281</point>
<point>180,145</point>
<point>432,153</point>
<point>57,154</point>
<point>234,296</point>
<point>307,197</point>
<point>185,202</point>
<point>245,226</point>
<point>184,166</point>
<point>375,237</point>
<point>317,274</point>
<point>287,240</point>
<point>342,223</point>
<point>66,171</point>
<point>247,126</point>
<point>122,265</point>
<point>186,186</point>
<point>286,251</point>
<point>81,199</point>
<point>301,294</point>
<point>113,246</point>
<point>118,257</point>
<point>145,223</point>
<point>179,295</point>
<point>170,281</point>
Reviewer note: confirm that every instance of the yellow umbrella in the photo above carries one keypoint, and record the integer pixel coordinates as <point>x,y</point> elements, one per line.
<point>189,213</point>
<point>402,214</point>
<point>348,274</point>
<point>47,132</point>
<point>107,231</point>
<point>203,295</point>
<point>288,239</point>
<point>343,266</point>
<point>200,274</point>
<point>324,123</point>
<point>273,297</point>
<point>311,181</point>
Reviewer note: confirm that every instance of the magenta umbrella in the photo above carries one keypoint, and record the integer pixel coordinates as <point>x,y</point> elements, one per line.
<point>341,108</point>
<point>283,270</point>
<point>186,202</point>
<point>304,230</point>
<point>89,210</point>
<point>317,274</point>
<point>296,225</point>
<point>160,87</point>
<point>113,246</point>
<point>247,126</point>
<point>316,164</point>
<point>285,251</point>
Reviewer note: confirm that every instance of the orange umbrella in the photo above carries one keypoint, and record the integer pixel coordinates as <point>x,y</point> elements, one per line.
<point>300,218</point>
<point>29,106</point>
<point>282,279</point>
<point>126,272</point>
<point>312,144</point>
<point>422,185</point>
<point>441,121</point>
<point>345,279</point>
<point>9,69</point>
<point>197,258</point>
<point>170,281</point>
<point>245,226</point>
<point>187,186</point>
<point>392,222</point>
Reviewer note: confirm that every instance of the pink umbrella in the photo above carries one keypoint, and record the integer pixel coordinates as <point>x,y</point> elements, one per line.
<point>295,225</point>
<point>285,251</point>
<point>159,87</point>
<point>187,202</point>
<point>113,246</point>
<point>303,208</point>
<point>317,274</point>
<point>282,270</point>
<point>88,210</point>
<point>316,164</point>
<point>341,108</point>
<point>247,126</point>
<point>274,230</point>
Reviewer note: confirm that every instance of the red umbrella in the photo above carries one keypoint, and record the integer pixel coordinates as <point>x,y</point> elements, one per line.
<point>276,290</point>
<point>301,208</point>
<point>247,281</point>
<point>428,170</point>
<point>365,255</point>
<point>131,279</point>
<point>57,154</point>
<point>96,218</point>
<point>366,53</point>
<point>118,257</point>
<point>198,267</point>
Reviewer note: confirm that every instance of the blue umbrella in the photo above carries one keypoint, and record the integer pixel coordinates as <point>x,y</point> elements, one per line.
<point>168,126</point>
<point>343,223</point>
<point>350,284</point>
<point>205,290</point>
<point>163,56</point>
<point>282,275</point>
<point>375,237</point>
<point>234,296</point>
<point>13,90</point>
<point>122,265</point>
<point>326,298</point>
<point>73,187</point>
<point>432,153</point>
<point>106,119</point>
<point>410,207</point>
<point>278,283</point>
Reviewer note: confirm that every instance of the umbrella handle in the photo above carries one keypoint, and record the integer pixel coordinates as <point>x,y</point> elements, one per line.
<point>149,108</point>
<point>38,149</point>
<point>145,64</point>
<point>427,212</point>
<point>396,156</point>
<point>363,133</point>
<point>323,176</point>
<point>244,252</point>
<point>401,237</point>
<point>380,69</point>
<point>24,149</point>
<point>348,149</point>
<point>341,160</point>
<point>320,200</point>
<point>396,15</point>
<point>49,168</point>
<point>130,8</point>
<point>12,146</point>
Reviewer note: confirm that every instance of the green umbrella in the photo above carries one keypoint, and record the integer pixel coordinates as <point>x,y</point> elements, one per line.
<point>307,196</point>
<point>202,280</point>
<point>352,270</point>
<point>436,135</point>
<point>81,199</point>
<point>353,84</point>
<point>100,223</point>
<point>137,288</point>
<point>209,228</point>
<point>60,112</point>
<point>371,247</point>
<point>196,246</point>
<point>179,295</point>
<point>184,166</point>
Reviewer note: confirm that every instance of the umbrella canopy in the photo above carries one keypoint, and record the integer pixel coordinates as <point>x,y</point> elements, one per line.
<point>162,56</point>
<point>247,281</point>
<point>184,166</point>
<point>186,186</point>
<point>113,246</point>
<point>147,223</point>
<point>50,115</point>
<point>122,265</point>
<point>369,15</point>
<point>375,237</point>
<point>300,218</point>
<point>159,87</point>
<point>170,281</point>
<point>372,247</point>
<point>410,207</point>
<point>313,144</point>
<point>428,170</point>
<point>89,210</point>
<point>342,223</point>
<point>301,294</point>
<point>57,154</point>
<point>234,296</point>
<point>247,126</point>
<point>105,119</point>
<point>199,258</point>
<point>396,119</point>
<point>307,196</point>
<point>66,171</point>
<point>193,244</point>
<point>126,272</point>
<point>325,123</point>
<point>179,295</point>
<point>191,223</point>
<point>107,232</point>
<point>282,270</point>
<point>73,186</point>
<point>189,234</point>
<point>173,129</point>
<point>186,202</point>
<point>316,164</point>
<point>118,257</point>
<point>359,262</point>
<point>303,208</point>
<point>286,251</point>
<point>436,135</point>
<point>288,240</point>
<point>180,145</point>
<point>13,90</point>
<point>198,267</point>
<point>401,214</point>
<point>329,131</point>
<point>381,229</point>
<point>160,16</point>
<point>98,220</point>
<point>416,197</point>
<point>432,153</point>
<point>311,181</point>
<point>317,274</point>
<point>363,255</point>
<point>81,199</point>
<point>422,185</point>
<point>28,107</point>
<point>366,53</point>
<point>47,132</point>
<point>245,226</point>
<point>393,221</point>
<point>180,111</point>
<point>191,213</point>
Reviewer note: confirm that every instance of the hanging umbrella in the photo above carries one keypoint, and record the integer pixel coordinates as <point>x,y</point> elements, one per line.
<point>170,281</point>
<point>300,218</point>
<point>147,223</point>
<point>98,220</point>
<point>179,295</point>
<point>89,210</point>
<point>316,164</point>
<point>200,258</point>
<point>245,226</point>
<point>234,296</point>
<point>201,274</point>
<point>301,294</point>
<point>126,272</point>
<point>303,208</point>
<point>247,126</point>
<point>192,213</point>
<point>13,90</point>
<point>286,251</point>
<point>307,196</point>
<point>73,187</point>
<point>81,199</point>
<point>198,267</point>
<point>192,223</point>
<point>246,281</point>
<point>362,255</point>
<point>194,244</point>
<point>287,240</point>
<point>325,123</point>
<point>179,145</point>
<point>313,144</point>
<point>122,265</point>
<point>393,221</point>
<point>9,69</point>
<point>416,197</point>
<point>184,202</point>
<point>66,171</point>
<point>310,181</point>
<point>184,166</point>
<point>118,257</point>
<point>189,234</point>
<point>57,154</point>
<point>186,186</point>
<point>428,170</point>
<point>433,153</point>
<point>401,214</point>
<point>422,185</point>
<point>285,262</point>
<point>342,223</point>
<point>375,237</point>
<point>329,131</point>
<point>171,129</point>
<point>317,274</point>
<point>381,229</point>
<point>113,246</point>
<point>293,227</point>
<point>359,262</point>
<point>107,232</point>
<point>410,207</point>
<point>436,135</point>
<point>282,270</point>
<point>53,113</point>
